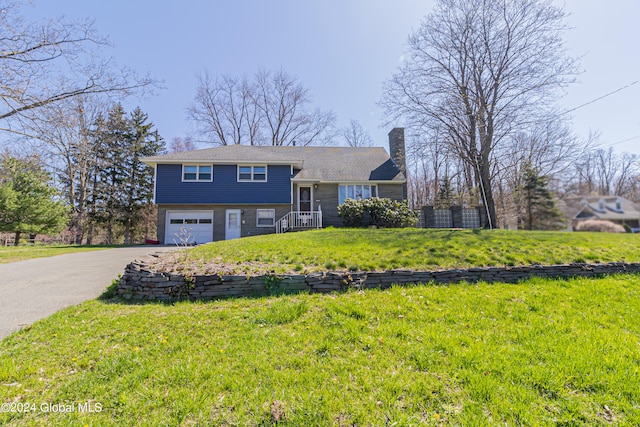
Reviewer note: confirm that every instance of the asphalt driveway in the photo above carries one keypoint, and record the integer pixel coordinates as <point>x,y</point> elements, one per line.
<point>33,289</point>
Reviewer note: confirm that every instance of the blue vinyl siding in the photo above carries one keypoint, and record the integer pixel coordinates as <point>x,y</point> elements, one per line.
<point>225,188</point>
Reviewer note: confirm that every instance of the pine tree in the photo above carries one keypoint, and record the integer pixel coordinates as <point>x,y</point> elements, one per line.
<point>123,185</point>
<point>111,137</point>
<point>445,197</point>
<point>539,209</point>
<point>138,187</point>
<point>29,202</point>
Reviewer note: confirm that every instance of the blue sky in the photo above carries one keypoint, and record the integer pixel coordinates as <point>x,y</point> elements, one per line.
<point>342,50</point>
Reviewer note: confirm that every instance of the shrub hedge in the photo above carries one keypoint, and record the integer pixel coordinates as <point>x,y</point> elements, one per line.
<point>599,225</point>
<point>381,212</point>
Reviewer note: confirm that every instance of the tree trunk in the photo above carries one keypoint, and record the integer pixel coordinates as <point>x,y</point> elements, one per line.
<point>90,234</point>
<point>109,232</point>
<point>530,210</point>
<point>127,232</point>
<point>76,228</point>
<point>79,235</point>
<point>487,196</point>
<point>16,241</point>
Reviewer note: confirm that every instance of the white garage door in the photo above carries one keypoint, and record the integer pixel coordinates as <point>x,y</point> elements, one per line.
<point>193,227</point>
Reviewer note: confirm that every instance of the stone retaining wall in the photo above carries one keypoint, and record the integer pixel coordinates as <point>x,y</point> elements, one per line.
<point>141,282</point>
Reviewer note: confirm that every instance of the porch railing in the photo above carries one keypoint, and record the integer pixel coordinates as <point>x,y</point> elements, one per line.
<point>297,220</point>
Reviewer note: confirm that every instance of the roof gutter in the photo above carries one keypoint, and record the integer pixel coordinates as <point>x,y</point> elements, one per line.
<point>320,181</point>
<point>153,162</point>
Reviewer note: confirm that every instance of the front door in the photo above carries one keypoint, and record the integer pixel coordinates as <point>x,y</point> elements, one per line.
<point>304,199</point>
<point>232,224</point>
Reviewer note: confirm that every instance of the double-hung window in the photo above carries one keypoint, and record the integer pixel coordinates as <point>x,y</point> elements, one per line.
<point>252,173</point>
<point>265,217</point>
<point>356,192</point>
<point>197,173</point>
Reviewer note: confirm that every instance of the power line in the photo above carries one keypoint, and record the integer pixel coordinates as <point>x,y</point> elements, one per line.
<point>599,98</point>
<point>618,142</point>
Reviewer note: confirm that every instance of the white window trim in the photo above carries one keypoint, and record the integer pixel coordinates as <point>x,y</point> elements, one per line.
<point>602,206</point>
<point>264,225</point>
<point>197,173</point>
<point>619,205</point>
<point>343,184</point>
<point>155,182</point>
<point>266,173</point>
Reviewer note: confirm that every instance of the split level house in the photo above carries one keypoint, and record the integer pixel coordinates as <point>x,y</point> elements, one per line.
<point>236,191</point>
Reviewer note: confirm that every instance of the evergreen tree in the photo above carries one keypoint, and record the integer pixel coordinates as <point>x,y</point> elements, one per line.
<point>111,138</point>
<point>539,209</point>
<point>123,185</point>
<point>446,196</point>
<point>138,185</point>
<point>29,202</point>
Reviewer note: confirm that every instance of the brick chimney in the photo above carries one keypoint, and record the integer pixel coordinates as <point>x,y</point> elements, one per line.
<point>396,149</point>
<point>397,153</point>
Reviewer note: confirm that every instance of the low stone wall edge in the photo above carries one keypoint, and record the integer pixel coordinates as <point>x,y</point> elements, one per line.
<point>140,282</point>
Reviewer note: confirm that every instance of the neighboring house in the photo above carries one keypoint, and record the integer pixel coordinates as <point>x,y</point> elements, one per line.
<point>610,208</point>
<point>236,191</point>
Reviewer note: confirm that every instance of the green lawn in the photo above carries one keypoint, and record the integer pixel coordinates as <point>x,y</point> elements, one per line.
<point>541,353</point>
<point>21,253</point>
<point>418,249</point>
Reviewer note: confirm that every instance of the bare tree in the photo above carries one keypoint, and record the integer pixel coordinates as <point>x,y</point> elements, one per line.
<point>45,63</point>
<point>581,179</point>
<point>548,148</point>
<point>606,168</point>
<point>62,136</point>
<point>421,185</point>
<point>284,103</point>
<point>355,135</point>
<point>180,145</point>
<point>585,181</point>
<point>270,108</point>
<point>614,174</point>
<point>604,172</point>
<point>482,71</point>
<point>627,182</point>
<point>224,110</point>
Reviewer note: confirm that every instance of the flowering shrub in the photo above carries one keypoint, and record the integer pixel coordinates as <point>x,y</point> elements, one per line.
<point>599,225</point>
<point>382,213</point>
<point>351,212</point>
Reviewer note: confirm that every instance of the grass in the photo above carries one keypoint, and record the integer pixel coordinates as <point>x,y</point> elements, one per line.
<point>21,253</point>
<point>417,249</point>
<point>541,353</point>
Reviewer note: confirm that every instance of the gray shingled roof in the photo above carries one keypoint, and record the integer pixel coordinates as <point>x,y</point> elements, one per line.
<point>589,206</point>
<point>323,164</point>
<point>225,154</point>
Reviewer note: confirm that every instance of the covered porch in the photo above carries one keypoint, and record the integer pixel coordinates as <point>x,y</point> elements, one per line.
<point>298,221</point>
<point>306,211</point>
